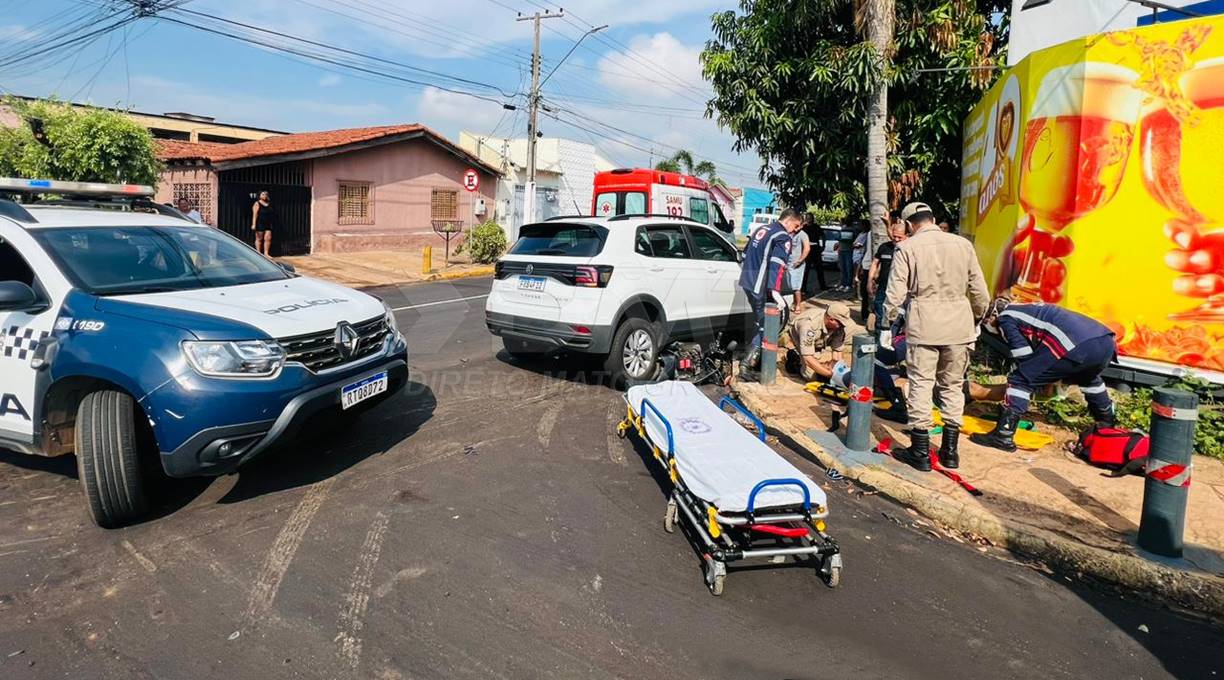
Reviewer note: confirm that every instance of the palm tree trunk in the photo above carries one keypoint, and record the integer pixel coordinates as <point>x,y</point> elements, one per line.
<point>876,21</point>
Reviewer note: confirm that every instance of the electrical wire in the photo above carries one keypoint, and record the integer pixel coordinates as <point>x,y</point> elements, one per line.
<point>342,50</point>
<point>318,57</point>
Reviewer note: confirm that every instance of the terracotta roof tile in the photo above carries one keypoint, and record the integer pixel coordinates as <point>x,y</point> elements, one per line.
<point>300,142</point>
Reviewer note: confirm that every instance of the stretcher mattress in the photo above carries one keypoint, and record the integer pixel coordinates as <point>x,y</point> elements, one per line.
<point>719,461</point>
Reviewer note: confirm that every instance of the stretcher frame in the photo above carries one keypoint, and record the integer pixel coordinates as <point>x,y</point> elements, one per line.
<point>729,537</point>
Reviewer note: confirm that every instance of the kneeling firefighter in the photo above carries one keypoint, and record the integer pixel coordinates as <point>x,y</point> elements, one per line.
<point>819,328</point>
<point>1050,344</point>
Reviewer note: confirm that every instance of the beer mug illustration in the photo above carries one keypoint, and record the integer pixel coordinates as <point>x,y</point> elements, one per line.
<point>1183,172</point>
<point>1076,146</point>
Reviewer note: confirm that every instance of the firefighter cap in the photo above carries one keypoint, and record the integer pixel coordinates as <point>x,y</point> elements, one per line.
<point>916,208</point>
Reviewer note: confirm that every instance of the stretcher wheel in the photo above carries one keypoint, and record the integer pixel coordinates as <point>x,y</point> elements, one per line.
<point>622,430</point>
<point>669,517</point>
<point>830,571</point>
<point>715,576</point>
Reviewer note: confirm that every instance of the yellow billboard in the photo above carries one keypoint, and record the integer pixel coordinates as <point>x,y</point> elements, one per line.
<point>1093,178</point>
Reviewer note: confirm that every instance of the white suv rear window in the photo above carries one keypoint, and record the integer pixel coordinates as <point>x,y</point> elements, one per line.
<point>560,239</point>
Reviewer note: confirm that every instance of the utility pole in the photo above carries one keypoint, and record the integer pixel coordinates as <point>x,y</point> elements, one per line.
<point>533,101</point>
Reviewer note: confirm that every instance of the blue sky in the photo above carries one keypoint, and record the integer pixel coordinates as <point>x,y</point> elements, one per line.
<point>640,76</point>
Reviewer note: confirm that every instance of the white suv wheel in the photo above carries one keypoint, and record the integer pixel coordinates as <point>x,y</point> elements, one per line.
<point>638,353</point>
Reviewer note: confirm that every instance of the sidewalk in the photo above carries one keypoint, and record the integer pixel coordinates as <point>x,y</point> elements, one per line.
<point>383,267</point>
<point>1046,504</point>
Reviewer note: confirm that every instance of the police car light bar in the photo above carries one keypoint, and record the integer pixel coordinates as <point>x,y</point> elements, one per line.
<point>49,186</point>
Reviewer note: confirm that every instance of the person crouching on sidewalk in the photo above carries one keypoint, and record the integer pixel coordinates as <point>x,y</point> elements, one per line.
<point>816,329</point>
<point>1050,344</point>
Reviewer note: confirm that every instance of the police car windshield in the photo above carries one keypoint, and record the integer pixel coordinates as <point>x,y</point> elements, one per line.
<point>127,260</point>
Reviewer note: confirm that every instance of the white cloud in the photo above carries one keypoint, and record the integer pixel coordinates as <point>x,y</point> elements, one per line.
<point>656,67</point>
<point>330,80</point>
<point>448,112</point>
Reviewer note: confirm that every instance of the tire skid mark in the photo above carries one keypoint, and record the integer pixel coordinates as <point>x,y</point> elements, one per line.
<point>548,421</point>
<point>145,563</point>
<point>352,618</point>
<point>276,563</point>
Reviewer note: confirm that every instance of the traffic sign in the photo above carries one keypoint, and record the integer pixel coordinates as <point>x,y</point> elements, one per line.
<point>471,180</point>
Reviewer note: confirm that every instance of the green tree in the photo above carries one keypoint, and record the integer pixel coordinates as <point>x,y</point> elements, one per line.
<point>682,161</point>
<point>83,145</point>
<point>796,82</point>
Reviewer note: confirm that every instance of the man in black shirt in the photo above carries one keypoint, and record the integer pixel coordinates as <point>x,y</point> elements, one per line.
<point>815,261</point>
<point>881,265</point>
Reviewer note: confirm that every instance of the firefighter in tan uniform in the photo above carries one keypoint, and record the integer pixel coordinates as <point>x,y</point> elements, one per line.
<point>938,275</point>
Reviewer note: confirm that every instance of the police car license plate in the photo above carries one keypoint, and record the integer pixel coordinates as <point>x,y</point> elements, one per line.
<point>531,283</point>
<point>358,392</point>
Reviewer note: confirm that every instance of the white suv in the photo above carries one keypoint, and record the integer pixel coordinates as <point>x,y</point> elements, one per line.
<point>619,287</point>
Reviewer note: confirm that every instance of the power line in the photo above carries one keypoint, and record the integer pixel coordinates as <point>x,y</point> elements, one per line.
<point>313,56</point>
<point>343,50</point>
<point>595,121</point>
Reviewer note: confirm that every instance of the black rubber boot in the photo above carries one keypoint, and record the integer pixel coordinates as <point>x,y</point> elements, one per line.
<point>948,455</point>
<point>1003,436</point>
<point>1103,417</point>
<point>918,455</point>
<point>897,411</point>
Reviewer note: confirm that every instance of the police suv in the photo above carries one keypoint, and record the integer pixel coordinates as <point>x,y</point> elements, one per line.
<point>131,335</point>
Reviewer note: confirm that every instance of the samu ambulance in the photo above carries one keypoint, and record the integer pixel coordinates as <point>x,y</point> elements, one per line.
<point>641,191</point>
<point>137,339</point>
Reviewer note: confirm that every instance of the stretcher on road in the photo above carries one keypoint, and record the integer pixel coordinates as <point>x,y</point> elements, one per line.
<point>740,498</point>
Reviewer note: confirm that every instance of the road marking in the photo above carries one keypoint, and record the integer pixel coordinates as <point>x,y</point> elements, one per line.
<point>145,562</point>
<point>283,549</point>
<point>440,302</point>
<point>352,619</point>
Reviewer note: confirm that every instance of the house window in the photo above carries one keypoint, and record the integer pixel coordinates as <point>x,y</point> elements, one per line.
<point>354,203</point>
<point>198,194</point>
<point>444,204</point>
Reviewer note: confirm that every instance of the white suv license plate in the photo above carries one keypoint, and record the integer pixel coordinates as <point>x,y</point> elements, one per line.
<point>358,392</point>
<point>535,283</point>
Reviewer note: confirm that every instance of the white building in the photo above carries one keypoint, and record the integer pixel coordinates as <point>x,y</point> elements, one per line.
<point>565,176</point>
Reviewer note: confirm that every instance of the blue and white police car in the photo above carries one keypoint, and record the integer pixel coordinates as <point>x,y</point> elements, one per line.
<point>132,336</point>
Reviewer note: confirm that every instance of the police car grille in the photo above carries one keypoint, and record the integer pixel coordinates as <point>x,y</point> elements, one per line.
<point>318,351</point>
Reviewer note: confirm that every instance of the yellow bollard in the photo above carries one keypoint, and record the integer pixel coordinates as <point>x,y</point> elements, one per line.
<point>427,260</point>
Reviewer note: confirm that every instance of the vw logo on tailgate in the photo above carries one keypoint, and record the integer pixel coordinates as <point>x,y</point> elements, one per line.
<point>347,339</point>
<point>530,268</point>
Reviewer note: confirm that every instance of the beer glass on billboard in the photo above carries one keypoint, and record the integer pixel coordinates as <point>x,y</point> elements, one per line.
<point>1182,170</point>
<point>1076,146</point>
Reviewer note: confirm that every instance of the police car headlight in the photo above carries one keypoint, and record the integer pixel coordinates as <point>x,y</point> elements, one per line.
<point>392,326</point>
<point>246,359</point>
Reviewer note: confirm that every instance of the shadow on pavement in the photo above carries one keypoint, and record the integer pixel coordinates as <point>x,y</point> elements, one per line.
<point>574,368</point>
<point>60,465</point>
<point>330,445</point>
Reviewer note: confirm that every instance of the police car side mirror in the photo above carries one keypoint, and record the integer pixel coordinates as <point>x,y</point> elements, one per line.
<point>287,267</point>
<point>724,226</point>
<point>739,256</point>
<point>16,296</point>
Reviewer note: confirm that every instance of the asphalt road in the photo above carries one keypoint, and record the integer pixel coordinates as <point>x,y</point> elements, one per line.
<point>486,524</point>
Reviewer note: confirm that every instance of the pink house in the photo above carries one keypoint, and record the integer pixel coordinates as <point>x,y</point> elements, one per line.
<point>339,190</point>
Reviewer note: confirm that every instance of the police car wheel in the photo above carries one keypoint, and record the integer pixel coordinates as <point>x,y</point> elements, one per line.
<point>635,352</point>
<point>108,460</point>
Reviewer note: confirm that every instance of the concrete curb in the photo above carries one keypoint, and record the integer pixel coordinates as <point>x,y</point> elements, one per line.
<point>1198,592</point>
<point>469,274</point>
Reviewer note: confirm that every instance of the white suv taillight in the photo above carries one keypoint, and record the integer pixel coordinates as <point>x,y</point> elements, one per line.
<point>596,276</point>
